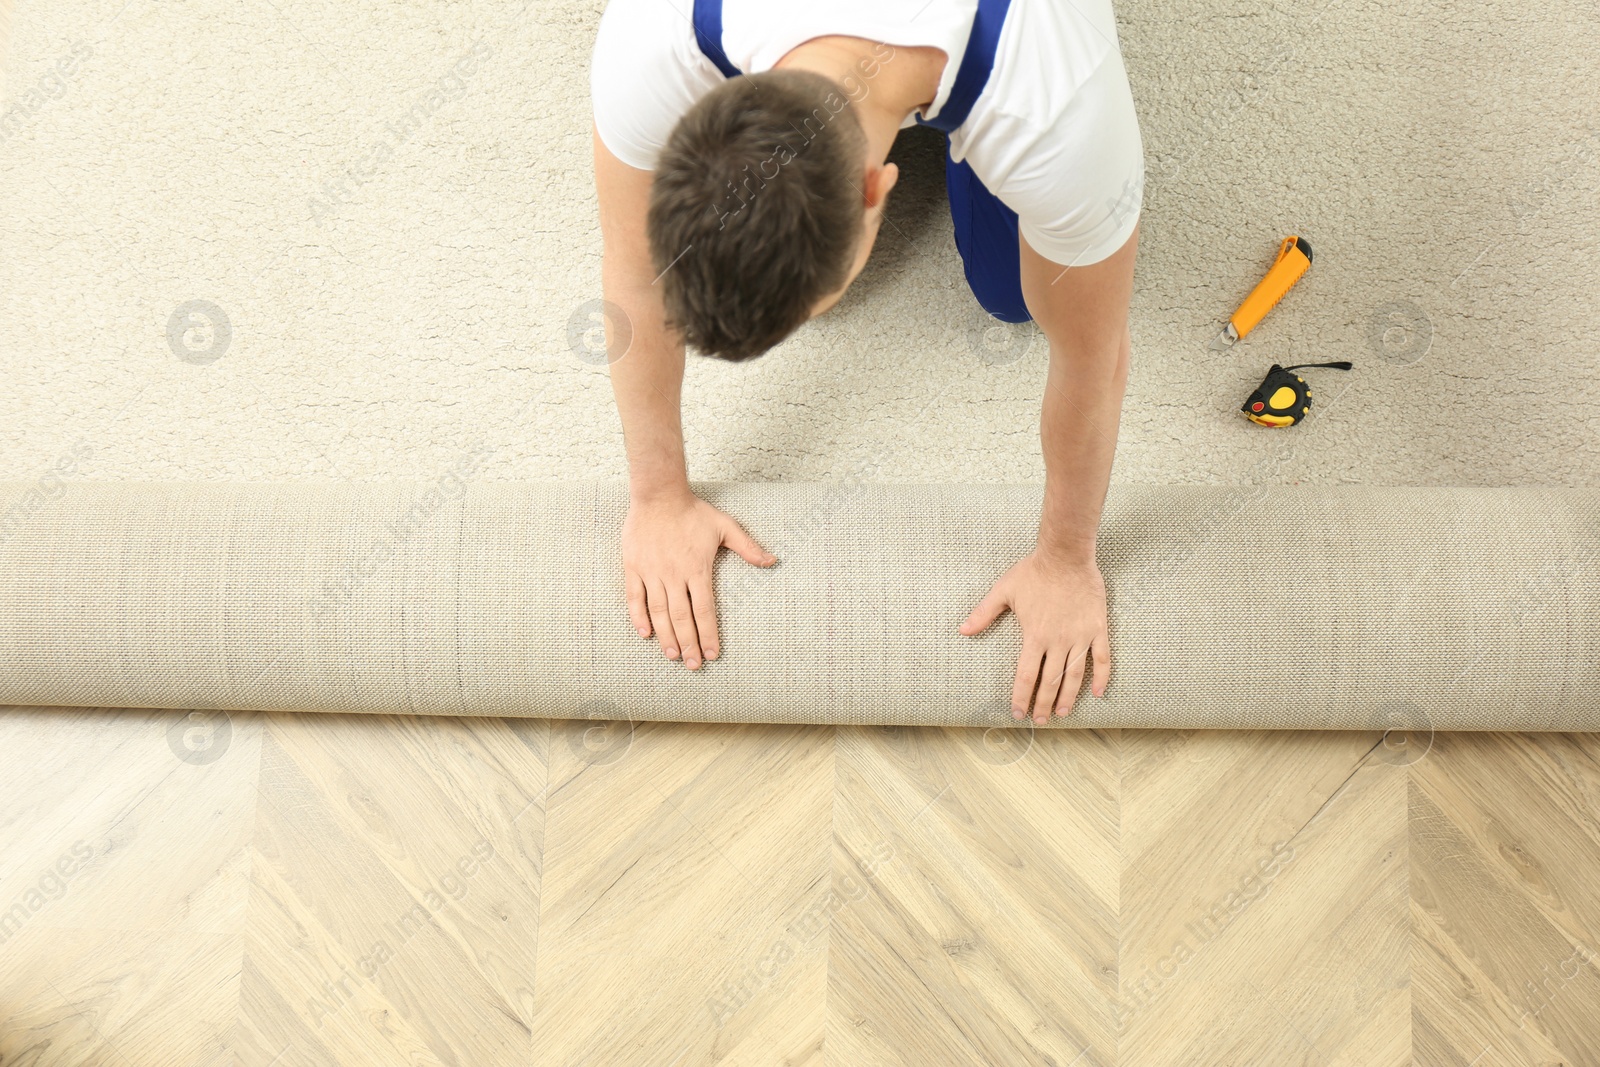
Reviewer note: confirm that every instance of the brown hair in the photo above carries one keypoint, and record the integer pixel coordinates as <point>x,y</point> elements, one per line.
<point>756,210</point>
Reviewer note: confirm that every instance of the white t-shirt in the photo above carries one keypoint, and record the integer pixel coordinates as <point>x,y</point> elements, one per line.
<point>1053,134</point>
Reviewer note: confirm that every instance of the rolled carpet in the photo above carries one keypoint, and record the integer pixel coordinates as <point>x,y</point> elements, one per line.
<point>1294,607</point>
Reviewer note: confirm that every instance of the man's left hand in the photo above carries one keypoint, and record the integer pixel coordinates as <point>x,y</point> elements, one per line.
<point>1062,608</point>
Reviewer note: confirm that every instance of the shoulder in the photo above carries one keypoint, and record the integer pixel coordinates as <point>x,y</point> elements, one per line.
<point>1068,160</point>
<point>644,73</point>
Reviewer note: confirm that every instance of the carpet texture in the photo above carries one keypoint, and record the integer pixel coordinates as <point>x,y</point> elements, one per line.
<point>392,206</point>
<point>1342,607</point>
<point>306,242</point>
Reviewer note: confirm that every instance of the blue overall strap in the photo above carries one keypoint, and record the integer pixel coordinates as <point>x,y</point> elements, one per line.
<point>976,63</point>
<point>708,33</point>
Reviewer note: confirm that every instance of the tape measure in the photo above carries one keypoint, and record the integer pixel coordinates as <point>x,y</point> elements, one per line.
<point>1294,259</point>
<point>1282,399</point>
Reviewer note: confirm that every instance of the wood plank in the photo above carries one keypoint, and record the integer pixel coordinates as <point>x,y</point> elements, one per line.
<point>395,889</point>
<point>1505,860</point>
<point>684,866</point>
<point>789,895</point>
<point>124,839</point>
<point>979,889</point>
<point>1264,903</point>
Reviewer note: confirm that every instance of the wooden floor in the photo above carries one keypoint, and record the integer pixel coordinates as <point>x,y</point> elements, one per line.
<point>300,891</point>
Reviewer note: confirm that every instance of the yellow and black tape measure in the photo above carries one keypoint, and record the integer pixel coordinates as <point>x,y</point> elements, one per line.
<point>1282,399</point>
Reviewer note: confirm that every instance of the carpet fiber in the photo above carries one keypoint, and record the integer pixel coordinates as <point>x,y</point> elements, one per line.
<point>392,206</point>
<point>1333,608</point>
<point>317,243</point>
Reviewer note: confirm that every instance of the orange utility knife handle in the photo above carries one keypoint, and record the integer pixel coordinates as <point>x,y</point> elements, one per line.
<point>1294,259</point>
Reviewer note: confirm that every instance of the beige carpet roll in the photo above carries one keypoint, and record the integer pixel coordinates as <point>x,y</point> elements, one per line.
<point>1292,607</point>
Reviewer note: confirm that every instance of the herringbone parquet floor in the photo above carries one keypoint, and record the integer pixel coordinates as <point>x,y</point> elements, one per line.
<point>305,891</point>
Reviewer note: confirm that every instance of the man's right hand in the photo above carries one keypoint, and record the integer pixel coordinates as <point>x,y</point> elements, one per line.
<point>668,546</point>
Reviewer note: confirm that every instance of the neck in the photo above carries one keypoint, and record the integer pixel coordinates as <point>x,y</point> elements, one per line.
<point>903,79</point>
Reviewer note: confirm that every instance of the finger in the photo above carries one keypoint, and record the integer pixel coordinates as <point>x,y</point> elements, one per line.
<point>1073,681</point>
<point>1049,684</point>
<point>734,537</point>
<point>988,610</point>
<point>705,614</point>
<point>682,614</point>
<point>663,622</point>
<point>1102,663</point>
<point>638,614</point>
<point>1027,678</point>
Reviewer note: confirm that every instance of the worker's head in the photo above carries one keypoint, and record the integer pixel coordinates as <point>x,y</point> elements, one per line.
<point>764,208</point>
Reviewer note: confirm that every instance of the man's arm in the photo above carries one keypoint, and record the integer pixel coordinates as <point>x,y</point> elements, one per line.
<point>670,537</point>
<point>648,385</point>
<point>1057,591</point>
<point>1083,312</point>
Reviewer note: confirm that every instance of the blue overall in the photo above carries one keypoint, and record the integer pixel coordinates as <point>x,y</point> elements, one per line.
<point>986,230</point>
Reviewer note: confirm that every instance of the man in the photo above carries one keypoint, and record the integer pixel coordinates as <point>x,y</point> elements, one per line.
<point>740,150</point>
